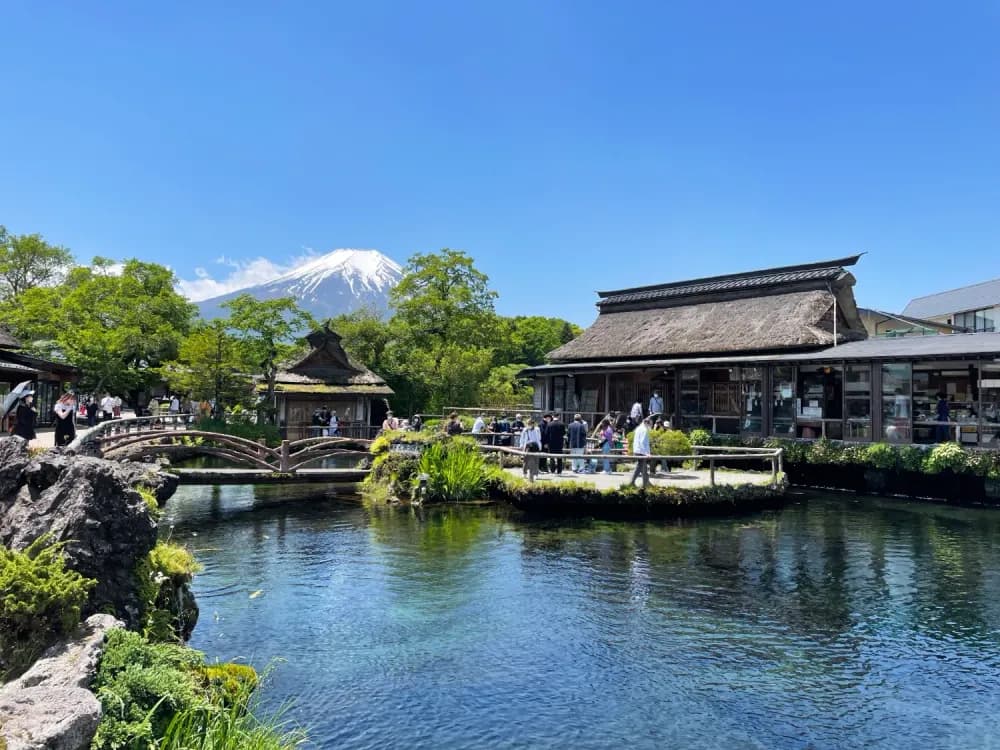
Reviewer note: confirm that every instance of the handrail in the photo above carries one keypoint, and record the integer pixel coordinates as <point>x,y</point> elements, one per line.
<point>83,437</point>
<point>776,456</point>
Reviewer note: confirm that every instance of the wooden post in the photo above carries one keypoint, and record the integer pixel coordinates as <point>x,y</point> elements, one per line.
<point>263,444</point>
<point>711,471</point>
<point>781,459</point>
<point>774,470</point>
<point>285,460</point>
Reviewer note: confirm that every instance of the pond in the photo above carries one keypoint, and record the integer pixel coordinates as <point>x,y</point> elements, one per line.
<point>837,622</point>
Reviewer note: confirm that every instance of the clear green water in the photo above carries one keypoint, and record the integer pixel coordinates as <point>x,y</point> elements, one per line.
<point>835,623</point>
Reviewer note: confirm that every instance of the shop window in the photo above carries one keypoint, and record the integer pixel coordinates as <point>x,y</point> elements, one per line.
<point>820,406</point>
<point>751,400</point>
<point>989,394</point>
<point>945,402</point>
<point>896,403</point>
<point>858,402</point>
<point>783,401</point>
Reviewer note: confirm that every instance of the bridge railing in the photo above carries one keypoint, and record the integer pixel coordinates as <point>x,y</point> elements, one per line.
<point>130,426</point>
<point>701,454</point>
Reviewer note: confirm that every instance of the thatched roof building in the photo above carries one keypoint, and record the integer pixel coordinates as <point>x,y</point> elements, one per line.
<point>776,309</point>
<point>327,376</point>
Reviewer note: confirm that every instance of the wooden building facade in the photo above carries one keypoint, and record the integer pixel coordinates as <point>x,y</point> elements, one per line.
<point>327,376</point>
<point>776,352</point>
<point>48,378</point>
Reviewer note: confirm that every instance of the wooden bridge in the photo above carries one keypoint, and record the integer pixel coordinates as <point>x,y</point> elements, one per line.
<point>292,460</point>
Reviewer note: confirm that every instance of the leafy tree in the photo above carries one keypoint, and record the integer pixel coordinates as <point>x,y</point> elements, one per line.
<point>445,327</point>
<point>502,387</point>
<point>528,339</point>
<point>118,329</point>
<point>264,334</point>
<point>208,365</point>
<point>28,261</point>
<point>366,336</point>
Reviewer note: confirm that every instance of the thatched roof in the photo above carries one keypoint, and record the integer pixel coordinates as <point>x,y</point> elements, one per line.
<point>7,341</point>
<point>778,309</point>
<point>327,365</point>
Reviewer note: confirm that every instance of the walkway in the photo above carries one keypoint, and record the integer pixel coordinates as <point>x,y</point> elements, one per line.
<point>689,478</point>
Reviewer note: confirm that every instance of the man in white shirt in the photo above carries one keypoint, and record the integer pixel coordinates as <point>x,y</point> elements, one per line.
<point>640,449</point>
<point>334,424</point>
<point>107,407</point>
<point>479,425</point>
<point>636,413</point>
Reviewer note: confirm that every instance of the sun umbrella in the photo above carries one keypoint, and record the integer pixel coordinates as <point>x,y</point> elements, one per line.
<point>12,398</point>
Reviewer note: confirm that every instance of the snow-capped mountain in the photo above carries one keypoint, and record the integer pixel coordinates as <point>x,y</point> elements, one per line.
<point>328,285</point>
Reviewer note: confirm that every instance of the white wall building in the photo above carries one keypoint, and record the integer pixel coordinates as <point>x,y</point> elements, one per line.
<point>975,307</point>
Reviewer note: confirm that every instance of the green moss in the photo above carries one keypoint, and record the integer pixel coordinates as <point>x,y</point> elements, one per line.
<point>40,600</point>
<point>164,570</point>
<point>227,681</point>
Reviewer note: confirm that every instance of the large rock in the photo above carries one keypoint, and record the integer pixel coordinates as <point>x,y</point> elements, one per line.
<point>90,504</point>
<point>49,707</point>
<point>14,460</point>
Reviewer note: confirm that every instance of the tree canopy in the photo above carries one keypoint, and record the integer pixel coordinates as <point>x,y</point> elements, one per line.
<point>28,261</point>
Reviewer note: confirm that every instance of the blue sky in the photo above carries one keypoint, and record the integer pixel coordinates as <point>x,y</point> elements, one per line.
<point>567,146</point>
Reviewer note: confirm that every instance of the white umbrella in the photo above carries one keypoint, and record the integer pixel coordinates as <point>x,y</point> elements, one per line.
<point>12,398</point>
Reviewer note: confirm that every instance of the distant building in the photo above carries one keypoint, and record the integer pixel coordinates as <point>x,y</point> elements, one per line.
<point>975,308</point>
<point>327,376</point>
<point>880,323</point>
<point>47,377</point>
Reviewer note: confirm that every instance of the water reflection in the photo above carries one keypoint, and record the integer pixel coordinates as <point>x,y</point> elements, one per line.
<point>832,623</point>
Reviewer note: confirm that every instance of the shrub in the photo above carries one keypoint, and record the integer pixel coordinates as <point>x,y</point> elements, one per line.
<point>669,443</point>
<point>881,456</point>
<point>228,682</point>
<point>141,685</point>
<point>166,569</point>
<point>456,470</point>
<point>911,458</point>
<point>40,600</point>
<point>700,437</point>
<point>943,457</point>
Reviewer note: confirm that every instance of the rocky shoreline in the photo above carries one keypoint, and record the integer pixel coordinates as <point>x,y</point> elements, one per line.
<point>96,510</point>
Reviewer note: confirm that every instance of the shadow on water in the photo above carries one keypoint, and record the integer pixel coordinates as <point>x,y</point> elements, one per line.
<point>836,622</point>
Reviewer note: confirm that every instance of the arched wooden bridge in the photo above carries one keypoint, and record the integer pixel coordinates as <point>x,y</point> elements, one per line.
<point>135,437</point>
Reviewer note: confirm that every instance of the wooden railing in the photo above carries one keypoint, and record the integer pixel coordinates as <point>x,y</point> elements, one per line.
<point>700,454</point>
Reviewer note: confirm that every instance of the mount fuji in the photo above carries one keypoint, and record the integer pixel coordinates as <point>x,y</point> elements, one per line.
<point>338,282</point>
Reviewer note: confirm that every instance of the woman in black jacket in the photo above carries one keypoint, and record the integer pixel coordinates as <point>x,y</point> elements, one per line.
<point>24,418</point>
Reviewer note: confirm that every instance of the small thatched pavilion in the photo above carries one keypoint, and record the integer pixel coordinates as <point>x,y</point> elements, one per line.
<point>327,376</point>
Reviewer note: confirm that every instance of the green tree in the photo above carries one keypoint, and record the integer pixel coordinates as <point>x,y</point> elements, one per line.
<point>208,365</point>
<point>365,336</point>
<point>28,261</point>
<point>118,329</point>
<point>265,332</point>
<point>502,387</point>
<point>528,339</point>
<point>445,327</point>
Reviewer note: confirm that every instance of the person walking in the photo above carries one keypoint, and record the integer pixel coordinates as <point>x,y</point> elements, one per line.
<point>334,424</point>
<point>107,407</point>
<point>577,441</point>
<point>531,443</point>
<point>557,438</point>
<point>65,419</point>
<point>640,449</point>
<point>607,437</point>
<point>655,404</point>
<point>635,415</point>
<point>92,409</point>
<point>25,417</point>
<point>543,462</point>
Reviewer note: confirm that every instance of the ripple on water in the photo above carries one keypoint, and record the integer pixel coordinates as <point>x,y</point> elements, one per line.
<point>831,624</point>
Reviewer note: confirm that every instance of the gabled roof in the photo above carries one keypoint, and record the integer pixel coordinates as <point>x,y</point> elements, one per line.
<point>963,299</point>
<point>327,364</point>
<point>744,282</point>
<point>765,323</point>
<point>7,341</point>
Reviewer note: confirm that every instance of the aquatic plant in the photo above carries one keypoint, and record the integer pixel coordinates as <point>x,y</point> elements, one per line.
<point>455,470</point>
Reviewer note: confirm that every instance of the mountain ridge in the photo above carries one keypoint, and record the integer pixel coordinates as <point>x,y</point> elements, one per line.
<point>331,284</point>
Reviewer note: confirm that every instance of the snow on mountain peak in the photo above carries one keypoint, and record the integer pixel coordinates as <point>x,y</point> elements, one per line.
<point>367,270</point>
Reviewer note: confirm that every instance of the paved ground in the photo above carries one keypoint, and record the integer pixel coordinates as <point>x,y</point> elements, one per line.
<point>676,478</point>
